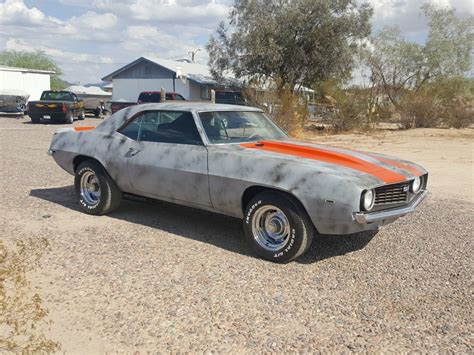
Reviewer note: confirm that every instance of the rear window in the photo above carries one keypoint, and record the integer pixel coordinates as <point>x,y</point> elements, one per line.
<point>56,96</point>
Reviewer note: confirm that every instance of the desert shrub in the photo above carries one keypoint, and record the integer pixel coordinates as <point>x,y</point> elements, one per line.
<point>354,109</point>
<point>446,102</point>
<point>419,110</point>
<point>461,115</point>
<point>286,108</point>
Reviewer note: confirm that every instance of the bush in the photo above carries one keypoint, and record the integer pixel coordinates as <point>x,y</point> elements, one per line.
<point>445,102</point>
<point>285,107</point>
<point>419,110</point>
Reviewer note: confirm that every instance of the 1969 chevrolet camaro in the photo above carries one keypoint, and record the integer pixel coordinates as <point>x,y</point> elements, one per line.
<point>235,161</point>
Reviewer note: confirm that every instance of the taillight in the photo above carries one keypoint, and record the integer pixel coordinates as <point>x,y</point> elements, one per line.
<point>64,107</point>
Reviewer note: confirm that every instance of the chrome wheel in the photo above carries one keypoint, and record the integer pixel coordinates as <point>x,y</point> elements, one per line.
<point>270,228</point>
<point>90,188</point>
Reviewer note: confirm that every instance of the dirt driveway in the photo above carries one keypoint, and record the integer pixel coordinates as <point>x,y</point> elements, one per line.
<point>161,277</point>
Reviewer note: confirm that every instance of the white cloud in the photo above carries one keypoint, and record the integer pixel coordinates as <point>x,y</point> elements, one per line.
<point>93,20</point>
<point>407,14</point>
<point>15,11</point>
<point>178,11</point>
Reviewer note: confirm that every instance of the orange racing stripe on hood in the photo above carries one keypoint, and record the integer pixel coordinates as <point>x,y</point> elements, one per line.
<point>403,166</point>
<point>83,128</point>
<point>349,161</point>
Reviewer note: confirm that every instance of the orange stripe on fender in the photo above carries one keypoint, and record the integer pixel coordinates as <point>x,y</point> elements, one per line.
<point>84,128</point>
<point>386,175</point>
<point>399,165</point>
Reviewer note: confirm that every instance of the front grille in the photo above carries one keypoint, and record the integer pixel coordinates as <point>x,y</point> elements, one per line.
<point>391,194</point>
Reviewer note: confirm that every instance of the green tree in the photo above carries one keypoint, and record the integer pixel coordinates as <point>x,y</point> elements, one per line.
<point>292,42</point>
<point>33,60</point>
<point>398,66</point>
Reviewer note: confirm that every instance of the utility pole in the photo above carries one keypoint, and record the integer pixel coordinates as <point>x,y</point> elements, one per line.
<point>192,54</point>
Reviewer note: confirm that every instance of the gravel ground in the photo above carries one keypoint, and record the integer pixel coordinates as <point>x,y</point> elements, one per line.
<point>156,276</point>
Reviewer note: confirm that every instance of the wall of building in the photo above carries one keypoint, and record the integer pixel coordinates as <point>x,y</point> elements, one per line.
<point>32,83</point>
<point>129,89</point>
<point>147,76</point>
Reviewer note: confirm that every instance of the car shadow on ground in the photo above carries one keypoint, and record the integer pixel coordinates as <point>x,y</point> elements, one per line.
<point>211,228</point>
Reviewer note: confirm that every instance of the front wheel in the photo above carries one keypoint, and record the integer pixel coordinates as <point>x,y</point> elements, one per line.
<point>97,192</point>
<point>82,115</point>
<point>277,227</point>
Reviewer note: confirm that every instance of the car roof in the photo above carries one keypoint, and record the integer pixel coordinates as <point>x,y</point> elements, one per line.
<point>120,117</point>
<point>196,106</point>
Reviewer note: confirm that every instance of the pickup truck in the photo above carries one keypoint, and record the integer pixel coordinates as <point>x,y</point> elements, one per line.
<point>56,106</point>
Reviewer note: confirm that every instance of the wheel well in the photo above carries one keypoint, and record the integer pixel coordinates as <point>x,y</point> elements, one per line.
<point>253,191</point>
<point>81,158</point>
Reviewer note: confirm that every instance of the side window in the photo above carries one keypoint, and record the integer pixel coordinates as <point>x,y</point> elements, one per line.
<point>132,129</point>
<point>169,127</point>
<point>164,127</point>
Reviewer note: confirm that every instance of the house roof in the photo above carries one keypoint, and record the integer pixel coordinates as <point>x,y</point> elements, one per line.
<point>26,70</point>
<point>198,73</point>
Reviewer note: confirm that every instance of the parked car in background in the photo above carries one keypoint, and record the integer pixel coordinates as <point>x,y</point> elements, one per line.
<point>13,101</point>
<point>146,97</point>
<point>118,105</point>
<point>61,106</point>
<point>234,160</point>
<point>230,97</point>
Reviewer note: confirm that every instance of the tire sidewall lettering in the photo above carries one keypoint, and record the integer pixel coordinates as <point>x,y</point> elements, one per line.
<point>251,210</point>
<point>81,200</point>
<point>289,246</point>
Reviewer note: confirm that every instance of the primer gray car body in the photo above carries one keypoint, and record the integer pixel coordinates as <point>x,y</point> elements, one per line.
<point>215,177</point>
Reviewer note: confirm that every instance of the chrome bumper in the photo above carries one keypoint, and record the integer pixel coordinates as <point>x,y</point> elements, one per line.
<point>368,217</point>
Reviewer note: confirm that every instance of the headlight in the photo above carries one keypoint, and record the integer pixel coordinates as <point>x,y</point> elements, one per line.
<point>416,185</point>
<point>368,200</point>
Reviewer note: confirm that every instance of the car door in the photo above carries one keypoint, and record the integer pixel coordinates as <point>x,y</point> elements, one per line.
<point>168,158</point>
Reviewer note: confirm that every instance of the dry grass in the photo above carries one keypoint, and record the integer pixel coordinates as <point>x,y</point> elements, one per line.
<point>22,314</point>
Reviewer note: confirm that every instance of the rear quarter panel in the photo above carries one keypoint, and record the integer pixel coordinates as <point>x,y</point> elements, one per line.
<point>108,149</point>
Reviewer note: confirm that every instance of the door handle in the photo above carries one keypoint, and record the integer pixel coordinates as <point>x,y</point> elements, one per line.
<point>132,152</point>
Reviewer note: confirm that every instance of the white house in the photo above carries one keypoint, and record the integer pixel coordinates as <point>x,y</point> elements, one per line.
<point>30,81</point>
<point>193,81</point>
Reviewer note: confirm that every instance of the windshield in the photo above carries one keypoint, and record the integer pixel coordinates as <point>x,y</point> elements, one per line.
<point>239,126</point>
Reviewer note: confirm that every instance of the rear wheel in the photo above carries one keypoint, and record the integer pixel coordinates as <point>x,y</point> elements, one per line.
<point>97,192</point>
<point>82,115</point>
<point>277,227</point>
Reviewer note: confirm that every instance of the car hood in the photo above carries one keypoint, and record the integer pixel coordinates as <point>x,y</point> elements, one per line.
<point>386,169</point>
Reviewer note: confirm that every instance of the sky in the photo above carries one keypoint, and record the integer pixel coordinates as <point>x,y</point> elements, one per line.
<point>91,38</point>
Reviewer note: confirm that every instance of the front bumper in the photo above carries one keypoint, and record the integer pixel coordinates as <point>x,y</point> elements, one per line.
<point>369,217</point>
